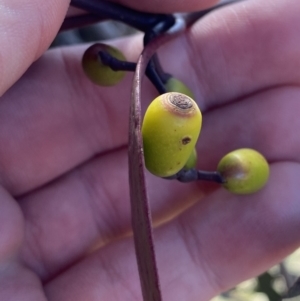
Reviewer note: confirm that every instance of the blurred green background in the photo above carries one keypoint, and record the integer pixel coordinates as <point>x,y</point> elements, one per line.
<point>269,286</point>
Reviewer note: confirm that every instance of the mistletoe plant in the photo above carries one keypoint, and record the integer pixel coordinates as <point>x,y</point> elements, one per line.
<point>165,141</point>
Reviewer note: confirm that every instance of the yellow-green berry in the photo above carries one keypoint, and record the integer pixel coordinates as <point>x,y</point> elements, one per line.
<point>244,170</point>
<point>170,130</point>
<point>192,160</point>
<point>175,85</point>
<point>96,71</point>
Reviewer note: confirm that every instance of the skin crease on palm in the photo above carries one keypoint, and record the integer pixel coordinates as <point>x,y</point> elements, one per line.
<point>65,213</point>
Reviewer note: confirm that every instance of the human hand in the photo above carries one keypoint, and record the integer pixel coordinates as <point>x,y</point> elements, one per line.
<point>65,216</point>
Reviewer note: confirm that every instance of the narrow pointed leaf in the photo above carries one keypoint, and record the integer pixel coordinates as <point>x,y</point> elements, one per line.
<point>140,208</point>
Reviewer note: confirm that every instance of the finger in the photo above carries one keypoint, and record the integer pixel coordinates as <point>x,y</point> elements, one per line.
<point>12,274</point>
<point>239,50</point>
<point>266,121</point>
<point>27,29</point>
<point>214,245</point>
<point>57,128</point>
<point>91,205</point>
<point>19,283</point>
<point>12,223</point>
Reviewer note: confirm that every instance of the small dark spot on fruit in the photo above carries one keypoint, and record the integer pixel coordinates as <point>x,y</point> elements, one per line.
<point>186,140</point>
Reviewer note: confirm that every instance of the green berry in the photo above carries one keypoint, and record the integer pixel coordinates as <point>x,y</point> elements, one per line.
<point>244,170</point>
<point>175,85</point>
<point>96,71</point>
<point>170,130</point>
<point>192,160</point>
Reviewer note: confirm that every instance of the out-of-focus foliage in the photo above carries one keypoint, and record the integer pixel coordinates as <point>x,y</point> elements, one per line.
<point>268,286</point>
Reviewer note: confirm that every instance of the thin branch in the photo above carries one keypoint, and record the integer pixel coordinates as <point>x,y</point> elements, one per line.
<point>114,63</point>
<point>191,175</point>
<point>139,20</point>
<point>118,65</point>
<point>101,10</point>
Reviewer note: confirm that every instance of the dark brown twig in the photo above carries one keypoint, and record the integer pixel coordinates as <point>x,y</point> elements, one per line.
<point>191,175</point>
<point>118,65</point>
<point>137,19</point>
<point>80,21</point>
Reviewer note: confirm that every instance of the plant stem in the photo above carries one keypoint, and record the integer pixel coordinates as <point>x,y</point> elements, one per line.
<point>160,71</point>
<point>102,10</point>
<point>118,65</point>
<point>155,77</point>
<point>155,69</point>
<point>192,175</point>
<point>114,63</point>
<point>109,10</point>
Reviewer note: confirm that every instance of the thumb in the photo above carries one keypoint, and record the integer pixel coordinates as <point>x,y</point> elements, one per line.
<point>26,30</point>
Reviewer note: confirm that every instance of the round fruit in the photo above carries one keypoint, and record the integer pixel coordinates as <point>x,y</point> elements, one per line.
<point>192,160</point>
<point>170,130</point>
<point>244,170</point>
<point>175,85</point>
<point>96,71</point>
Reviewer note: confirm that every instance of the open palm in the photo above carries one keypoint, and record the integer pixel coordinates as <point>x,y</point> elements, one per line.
<point>64,199</point>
